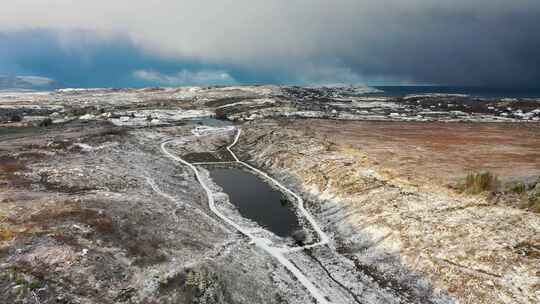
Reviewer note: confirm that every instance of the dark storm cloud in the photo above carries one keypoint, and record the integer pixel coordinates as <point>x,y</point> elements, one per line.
<point>461,48</point>
<point>41,53</point>
<point>476,42</point>
<point>97,62</point>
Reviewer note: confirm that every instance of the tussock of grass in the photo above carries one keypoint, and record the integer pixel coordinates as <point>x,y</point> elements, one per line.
<point>535,205</point>
<point>517,187</point>
<point>6,234</point>
<point>10,165</point>
<point>476,183</point>
<point>534,199</point>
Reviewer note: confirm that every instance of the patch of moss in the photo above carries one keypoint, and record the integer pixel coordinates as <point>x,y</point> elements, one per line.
<point>34,285</point>
<point>6,234</point>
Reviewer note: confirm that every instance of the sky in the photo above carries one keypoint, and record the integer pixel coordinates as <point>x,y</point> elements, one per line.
<point>127,43</point>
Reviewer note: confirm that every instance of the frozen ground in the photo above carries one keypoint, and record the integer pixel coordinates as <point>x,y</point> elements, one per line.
<point>99,203</point>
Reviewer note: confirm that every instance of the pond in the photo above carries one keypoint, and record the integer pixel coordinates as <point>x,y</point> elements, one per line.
<point>256,200</point>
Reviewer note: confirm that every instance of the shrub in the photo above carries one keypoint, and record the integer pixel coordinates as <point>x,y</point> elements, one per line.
<point>285,202</point>
<point>15,118</point>
<point>6,234</point>
<point>299,236</point>
<point>476,183</point>
<point>221,114</point>
<point>517,187</point>
<point>534,199</point>
<point>46,122</point>
<point>534,205</point>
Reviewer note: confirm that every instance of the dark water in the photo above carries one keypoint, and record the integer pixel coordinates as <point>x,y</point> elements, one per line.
<point>483,92</point>
<point>256,200</point>
<point>210,121</point>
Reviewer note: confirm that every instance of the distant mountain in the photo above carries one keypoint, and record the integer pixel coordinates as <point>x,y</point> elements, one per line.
<point>37,83</point>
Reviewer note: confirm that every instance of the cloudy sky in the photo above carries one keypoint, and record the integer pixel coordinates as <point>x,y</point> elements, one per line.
<point>117,43</point>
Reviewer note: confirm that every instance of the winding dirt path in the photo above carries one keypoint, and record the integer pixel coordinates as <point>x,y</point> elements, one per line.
<point>279,253</point>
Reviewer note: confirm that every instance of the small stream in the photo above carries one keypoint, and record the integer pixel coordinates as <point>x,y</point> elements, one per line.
<point>256,200</point>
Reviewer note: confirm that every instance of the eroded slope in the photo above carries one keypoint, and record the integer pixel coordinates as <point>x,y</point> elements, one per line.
<point>478,251</point>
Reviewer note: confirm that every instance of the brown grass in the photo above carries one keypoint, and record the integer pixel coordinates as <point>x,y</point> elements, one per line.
<point>438,153</point>
<point>9,165</point>
<point>9,232</point>
<point>534,203</point>
<point>6,234</point>
<point>529,248</point>
<point>10,170</point>
<point>101,222</point>
<point>476,183</point>
<point>45,221</point>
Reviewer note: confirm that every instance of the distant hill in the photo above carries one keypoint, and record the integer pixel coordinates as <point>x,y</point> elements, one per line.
<point>37,83</point>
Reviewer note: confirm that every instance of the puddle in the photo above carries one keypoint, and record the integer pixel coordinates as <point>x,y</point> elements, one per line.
<point>256,200</point>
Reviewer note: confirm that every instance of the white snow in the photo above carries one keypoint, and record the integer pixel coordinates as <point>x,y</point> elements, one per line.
<point>434,95</point>
<point>277,252</point>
